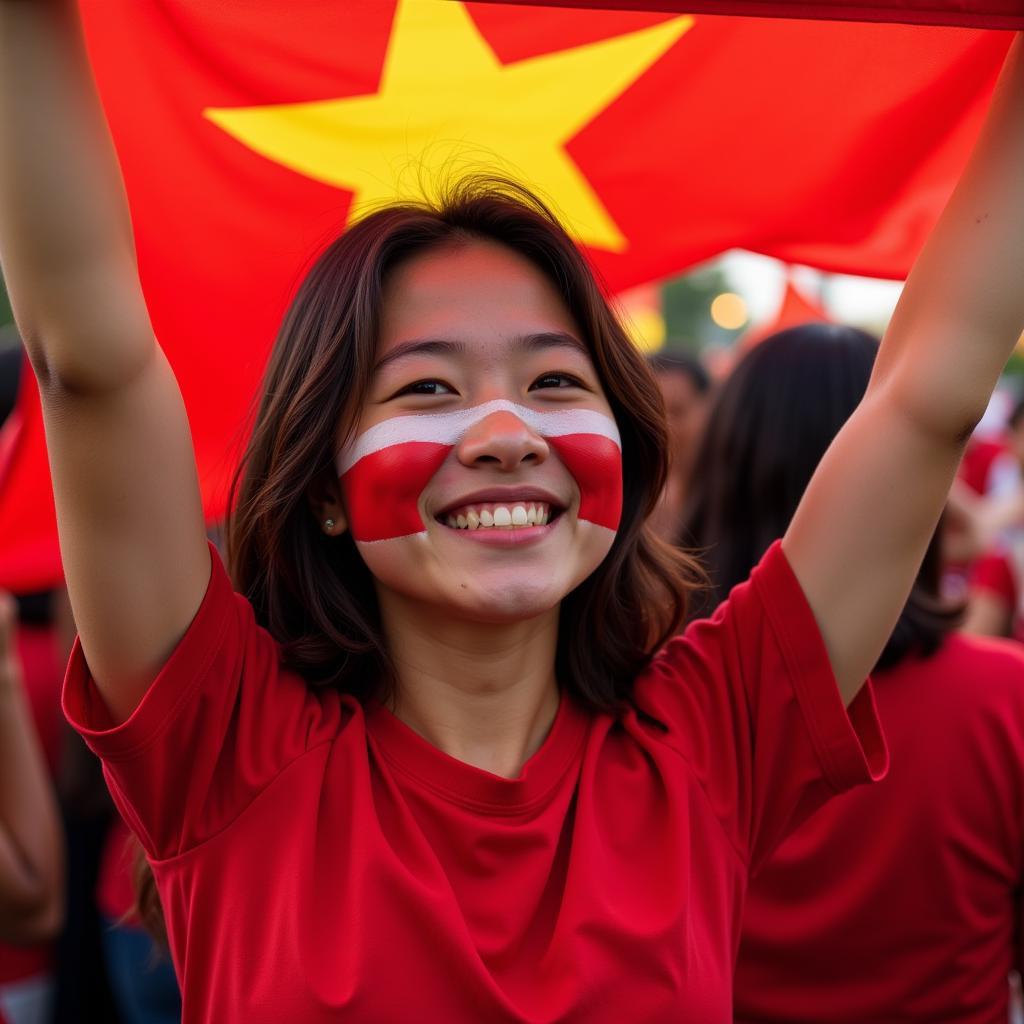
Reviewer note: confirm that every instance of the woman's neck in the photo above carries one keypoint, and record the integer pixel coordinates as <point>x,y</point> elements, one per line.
<point>483,693</point>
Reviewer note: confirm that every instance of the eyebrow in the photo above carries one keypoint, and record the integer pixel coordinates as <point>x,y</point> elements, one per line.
<point>541,341</point>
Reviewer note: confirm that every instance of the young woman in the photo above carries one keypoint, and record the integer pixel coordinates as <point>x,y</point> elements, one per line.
<point>901,901</point>
<point>996,605</point>
<point>427,765</point>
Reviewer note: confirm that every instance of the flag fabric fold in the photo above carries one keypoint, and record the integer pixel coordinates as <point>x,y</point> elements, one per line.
<point>987,14</point>
<point>250,134</point>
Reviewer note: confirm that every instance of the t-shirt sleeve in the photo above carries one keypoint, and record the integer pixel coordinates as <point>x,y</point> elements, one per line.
<point>750,700</point>
<point>218,724</point>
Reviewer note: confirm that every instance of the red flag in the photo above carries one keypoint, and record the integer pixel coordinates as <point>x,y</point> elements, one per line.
<point>249,134</point>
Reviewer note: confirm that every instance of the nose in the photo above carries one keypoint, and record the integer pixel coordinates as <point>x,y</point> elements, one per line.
<point>503,440</point>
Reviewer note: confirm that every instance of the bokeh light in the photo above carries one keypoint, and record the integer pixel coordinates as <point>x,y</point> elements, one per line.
<point>729,311</point>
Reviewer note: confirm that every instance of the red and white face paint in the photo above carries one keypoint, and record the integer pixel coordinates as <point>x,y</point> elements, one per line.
<point>385,469</point>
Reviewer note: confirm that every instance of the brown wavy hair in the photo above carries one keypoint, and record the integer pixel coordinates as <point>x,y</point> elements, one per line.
<point>312,592</point>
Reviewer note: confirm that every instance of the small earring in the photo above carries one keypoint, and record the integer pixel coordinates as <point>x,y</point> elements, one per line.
<point>328,525</point>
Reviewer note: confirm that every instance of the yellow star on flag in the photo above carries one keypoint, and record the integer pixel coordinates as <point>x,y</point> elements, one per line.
<point>444,97</point>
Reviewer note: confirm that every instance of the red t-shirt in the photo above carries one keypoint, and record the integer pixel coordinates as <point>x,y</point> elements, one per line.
<point>903,902</point>
<point>316,858</point>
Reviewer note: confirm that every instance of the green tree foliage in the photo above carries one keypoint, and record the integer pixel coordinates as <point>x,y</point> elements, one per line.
<point>686,307</point>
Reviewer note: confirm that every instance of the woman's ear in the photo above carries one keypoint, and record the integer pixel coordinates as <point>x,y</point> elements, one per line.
<point>324,497</point>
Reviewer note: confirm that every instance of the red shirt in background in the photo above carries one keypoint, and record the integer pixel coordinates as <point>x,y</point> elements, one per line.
<point>42,672</point>
<point>902,902</point>
<point>316,858</point>
<point>999,573</point>
<point>976,465</point>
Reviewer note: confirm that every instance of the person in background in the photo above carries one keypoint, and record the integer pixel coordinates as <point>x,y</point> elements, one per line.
<point>60,980</point>
<point>686,390</point>
<point>31,845</point>
<point>996,602</point>
<point>27,961</point>
<point>1005,479</point>
<point>900,902</point>
<point>987,461</point>
<point>996,605</point>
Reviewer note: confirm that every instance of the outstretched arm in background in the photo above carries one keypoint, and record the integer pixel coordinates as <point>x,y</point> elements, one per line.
<point>129,515</point>
<point>31,843</point>
<point>862,528</point>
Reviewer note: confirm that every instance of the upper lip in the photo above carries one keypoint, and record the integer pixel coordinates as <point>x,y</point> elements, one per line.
<point>507,495</point>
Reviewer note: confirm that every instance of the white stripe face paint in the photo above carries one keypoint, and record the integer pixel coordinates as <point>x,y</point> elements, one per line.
<point>448,428</point>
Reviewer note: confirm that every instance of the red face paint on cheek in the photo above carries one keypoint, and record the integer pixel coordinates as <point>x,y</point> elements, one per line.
<point>595,463</point>
<point>382,490</point>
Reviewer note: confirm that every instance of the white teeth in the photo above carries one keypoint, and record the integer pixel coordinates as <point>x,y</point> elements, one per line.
<point>500,517</point>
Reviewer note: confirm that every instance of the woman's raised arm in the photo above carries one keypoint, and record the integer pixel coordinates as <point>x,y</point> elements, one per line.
<point>862,528</point>
<point>130,519</point>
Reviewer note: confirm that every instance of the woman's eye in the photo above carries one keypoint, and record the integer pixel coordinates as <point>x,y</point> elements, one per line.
<point>426,387</point>
<point>556,380</point>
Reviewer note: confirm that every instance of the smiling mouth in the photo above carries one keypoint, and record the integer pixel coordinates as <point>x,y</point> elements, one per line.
<point>491,515</point>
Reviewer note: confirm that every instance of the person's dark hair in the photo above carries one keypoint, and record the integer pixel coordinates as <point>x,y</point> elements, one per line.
<point>772,421</point>
<point>685,366</point>
<point>11,358</point>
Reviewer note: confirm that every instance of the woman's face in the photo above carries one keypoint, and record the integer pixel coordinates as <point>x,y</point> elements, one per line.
<point>484,479</point>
